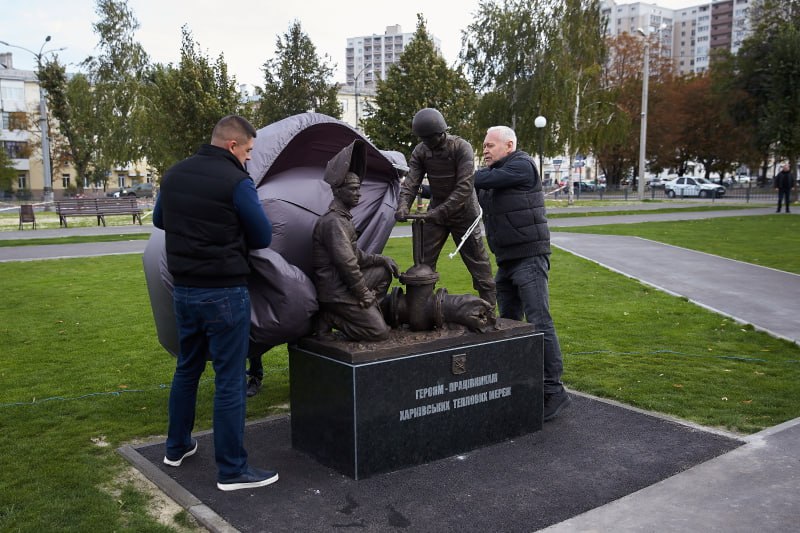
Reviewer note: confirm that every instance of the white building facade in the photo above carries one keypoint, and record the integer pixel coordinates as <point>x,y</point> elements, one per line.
<point>688,35</point>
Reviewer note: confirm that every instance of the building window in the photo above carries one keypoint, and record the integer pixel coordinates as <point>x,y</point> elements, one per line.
<point>22,181</point>
<point>16,149</point>
<point>65,181</point>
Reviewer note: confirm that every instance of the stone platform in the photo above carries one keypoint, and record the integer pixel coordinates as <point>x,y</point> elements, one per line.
<point>367,408</point>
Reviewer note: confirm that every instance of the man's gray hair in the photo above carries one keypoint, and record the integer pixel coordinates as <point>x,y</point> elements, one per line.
<point>505,133</point>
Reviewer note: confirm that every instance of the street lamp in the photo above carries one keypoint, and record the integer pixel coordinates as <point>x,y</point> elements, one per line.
<point>643,132</point>
<point>48,175</point>
<point>355,80</point>
<point>540,122</point>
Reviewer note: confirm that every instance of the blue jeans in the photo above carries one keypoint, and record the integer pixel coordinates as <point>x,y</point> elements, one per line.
<point>522,292</point>
<point>212,323</point>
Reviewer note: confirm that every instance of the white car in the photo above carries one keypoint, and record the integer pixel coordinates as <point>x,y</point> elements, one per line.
<point>689,186</point>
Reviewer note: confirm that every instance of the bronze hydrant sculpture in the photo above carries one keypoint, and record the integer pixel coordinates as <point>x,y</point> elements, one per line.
<point>422,308</point>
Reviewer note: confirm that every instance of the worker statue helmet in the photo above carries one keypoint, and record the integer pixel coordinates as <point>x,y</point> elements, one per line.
<point>427,122</point>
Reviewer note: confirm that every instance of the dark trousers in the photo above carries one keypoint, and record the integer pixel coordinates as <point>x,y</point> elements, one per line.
<point>522,292</point>
<point>212,323</point>
<point>784,194</point>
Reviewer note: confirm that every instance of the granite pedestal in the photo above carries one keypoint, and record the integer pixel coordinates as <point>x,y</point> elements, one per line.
<point>366,408</point>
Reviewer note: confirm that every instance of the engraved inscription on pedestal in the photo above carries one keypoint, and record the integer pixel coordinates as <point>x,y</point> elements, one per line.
<point>443,393</point>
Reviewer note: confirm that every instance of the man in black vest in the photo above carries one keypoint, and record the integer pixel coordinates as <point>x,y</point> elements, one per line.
<point>448,162</point>
<point>209,209</point>
<point>510,192</point>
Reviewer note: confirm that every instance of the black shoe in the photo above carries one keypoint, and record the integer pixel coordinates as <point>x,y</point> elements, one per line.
<point>554,403</point>
<point>253,386</point>
<point>177,461</point>
<point>251,479</point>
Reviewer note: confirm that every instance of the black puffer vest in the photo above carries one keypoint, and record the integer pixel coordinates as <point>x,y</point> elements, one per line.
<point>204,238</point>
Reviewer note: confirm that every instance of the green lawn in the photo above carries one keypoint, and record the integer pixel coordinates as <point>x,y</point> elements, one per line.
<point>769,240</point>
<point>82,372</point>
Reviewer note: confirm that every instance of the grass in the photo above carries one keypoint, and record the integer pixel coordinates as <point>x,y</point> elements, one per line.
<point>82,373</point>
<point>697,208</point>
<point>769,240</point>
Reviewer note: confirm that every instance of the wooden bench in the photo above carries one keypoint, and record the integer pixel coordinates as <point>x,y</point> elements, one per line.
<point>127,205</point>
<point>97,207</point>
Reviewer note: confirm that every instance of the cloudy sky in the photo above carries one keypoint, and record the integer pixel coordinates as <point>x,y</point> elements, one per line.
<point>244,31</point>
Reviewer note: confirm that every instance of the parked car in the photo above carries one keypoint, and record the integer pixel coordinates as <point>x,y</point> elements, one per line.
<point>140,190</point>
<point>116,194</point>
<point>689,186</point>
<point>657,183</point>
<point>583,186</point>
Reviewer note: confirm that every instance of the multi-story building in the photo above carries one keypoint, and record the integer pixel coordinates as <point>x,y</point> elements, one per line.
<point>688,35</point>
<point>367,60</point>
<point>20,137</point>
<point>19,96</point>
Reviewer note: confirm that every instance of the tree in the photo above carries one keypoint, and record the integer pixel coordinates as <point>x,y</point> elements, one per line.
<point>116,77</point>
<point>769,71</point>
<point>184,104</point>
<point>296,80</point>
<point>420,78</point>
<point>538,57</point>
<point>71,102</point>
<point>8,174</point>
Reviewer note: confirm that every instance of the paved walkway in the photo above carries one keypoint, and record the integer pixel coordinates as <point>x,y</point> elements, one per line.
<point>753,488</point>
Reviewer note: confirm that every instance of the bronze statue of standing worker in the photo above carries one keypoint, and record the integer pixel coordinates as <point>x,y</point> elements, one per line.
<point>448,162</point>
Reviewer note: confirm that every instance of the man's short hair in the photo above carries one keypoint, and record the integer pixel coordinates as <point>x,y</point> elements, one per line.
<point>233,127</point>
<point>505,133</point>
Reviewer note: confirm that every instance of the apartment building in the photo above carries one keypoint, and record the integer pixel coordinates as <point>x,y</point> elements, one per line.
<point>367,60</point>
<point>19,102</point>
<point>20,137</point>
<point>688,35</point>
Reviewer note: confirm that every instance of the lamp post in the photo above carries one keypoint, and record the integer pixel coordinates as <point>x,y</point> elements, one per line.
<point>355,81</point>
<point>643,133</point>
<point>540,122</point>
<point>48,176</point>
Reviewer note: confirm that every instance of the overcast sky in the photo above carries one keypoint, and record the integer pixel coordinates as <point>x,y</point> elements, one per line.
<point>245,32</point>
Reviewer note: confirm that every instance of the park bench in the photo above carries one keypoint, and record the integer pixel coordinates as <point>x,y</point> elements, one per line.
<point>97,207</point>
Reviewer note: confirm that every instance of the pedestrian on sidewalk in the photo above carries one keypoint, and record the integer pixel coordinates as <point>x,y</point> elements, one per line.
<point>783,183</point>
<point>510,193</point>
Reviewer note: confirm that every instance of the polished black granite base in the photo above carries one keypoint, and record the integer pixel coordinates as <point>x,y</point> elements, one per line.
<point>361,411</point>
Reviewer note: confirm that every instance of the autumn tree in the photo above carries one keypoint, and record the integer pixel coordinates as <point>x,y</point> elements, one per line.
<point>296,80</point>
<point>421,78</point>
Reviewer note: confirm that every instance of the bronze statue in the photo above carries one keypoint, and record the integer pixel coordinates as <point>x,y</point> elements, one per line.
<point>448,162</point>
<point>350,283</point>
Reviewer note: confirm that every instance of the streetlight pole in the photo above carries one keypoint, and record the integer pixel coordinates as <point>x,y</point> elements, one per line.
<point>355,80</point>
<point>643,132</point>
<point>540,122</point>
<point>48,175</point>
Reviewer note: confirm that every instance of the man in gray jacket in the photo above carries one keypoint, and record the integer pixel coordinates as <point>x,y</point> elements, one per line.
<point>510,193</point>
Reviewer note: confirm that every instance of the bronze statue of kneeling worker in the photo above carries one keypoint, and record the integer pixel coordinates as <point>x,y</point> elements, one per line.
<point>350,283</point>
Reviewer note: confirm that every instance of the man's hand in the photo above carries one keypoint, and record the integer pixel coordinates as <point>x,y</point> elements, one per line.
<point>389,264</point>
<point>367,299</point>
<point>401,215</point>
